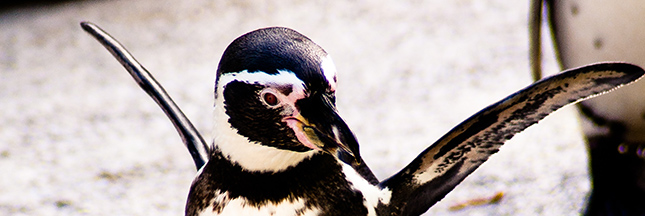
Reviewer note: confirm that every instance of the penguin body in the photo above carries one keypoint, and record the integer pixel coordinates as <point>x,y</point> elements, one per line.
<point>601,30</point>
<point>222,188</point>
<point>587,31</point>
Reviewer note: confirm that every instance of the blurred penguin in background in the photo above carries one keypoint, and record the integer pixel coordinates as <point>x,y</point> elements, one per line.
<point>588,31</point>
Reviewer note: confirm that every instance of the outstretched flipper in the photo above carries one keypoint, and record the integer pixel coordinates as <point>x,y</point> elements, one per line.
<point>191,137</point>
<point>439,168</point>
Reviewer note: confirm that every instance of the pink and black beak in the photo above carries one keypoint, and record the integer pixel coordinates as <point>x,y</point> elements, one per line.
<point>318,126</point>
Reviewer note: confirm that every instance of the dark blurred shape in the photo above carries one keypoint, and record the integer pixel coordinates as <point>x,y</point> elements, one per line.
<point>15,4</point>
<point>584,32</point>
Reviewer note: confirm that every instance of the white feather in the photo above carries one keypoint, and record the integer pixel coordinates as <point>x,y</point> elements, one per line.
<point>372,195</point>
<point>240,206</point>
<point>329,70</point>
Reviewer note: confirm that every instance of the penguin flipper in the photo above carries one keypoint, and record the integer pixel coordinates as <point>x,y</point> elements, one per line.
<point>191,137</point>
<point>443,165</point>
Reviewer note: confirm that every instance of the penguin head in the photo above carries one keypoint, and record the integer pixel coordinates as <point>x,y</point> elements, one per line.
<point>275,97</point>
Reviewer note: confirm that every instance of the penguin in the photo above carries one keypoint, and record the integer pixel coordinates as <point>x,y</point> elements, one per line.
<point>282,148</point>
<point>278,134</point>
<point>613,124</point>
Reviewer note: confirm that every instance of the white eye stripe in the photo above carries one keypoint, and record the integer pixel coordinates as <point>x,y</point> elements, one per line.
<point>283,77</point>
<point>329,70</point>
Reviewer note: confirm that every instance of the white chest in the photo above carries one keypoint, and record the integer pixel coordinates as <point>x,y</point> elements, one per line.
<point>222,204</point>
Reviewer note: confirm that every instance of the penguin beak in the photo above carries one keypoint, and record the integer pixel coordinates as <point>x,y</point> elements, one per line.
<point>318,126</point>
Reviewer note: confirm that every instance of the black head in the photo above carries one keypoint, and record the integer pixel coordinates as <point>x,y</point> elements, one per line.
<point>275,88</point>
<point>271,49</point>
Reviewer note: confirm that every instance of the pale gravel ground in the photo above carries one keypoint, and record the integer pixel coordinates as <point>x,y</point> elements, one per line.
<point>78,136</point>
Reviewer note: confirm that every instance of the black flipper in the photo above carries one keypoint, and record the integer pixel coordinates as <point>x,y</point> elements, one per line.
<point>191,137</point>
<point>442,166</point>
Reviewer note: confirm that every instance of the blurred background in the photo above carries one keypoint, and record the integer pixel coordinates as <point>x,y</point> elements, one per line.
<point>78,136</point>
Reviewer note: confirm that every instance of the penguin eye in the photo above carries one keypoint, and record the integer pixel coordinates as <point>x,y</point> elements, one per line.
<point>270,99</point>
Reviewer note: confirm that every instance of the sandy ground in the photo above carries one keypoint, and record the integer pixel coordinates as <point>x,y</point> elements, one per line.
<point>78,136</point>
